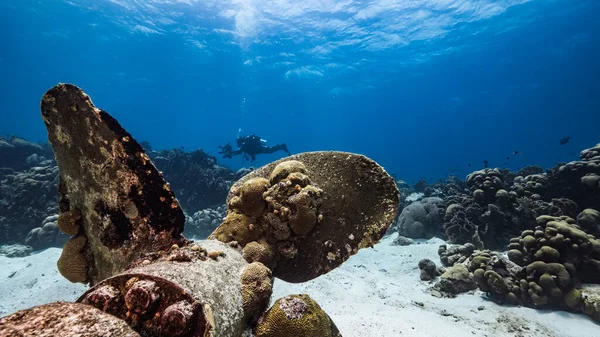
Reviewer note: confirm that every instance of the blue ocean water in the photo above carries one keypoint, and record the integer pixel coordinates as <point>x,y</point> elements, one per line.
<point>426,88</point>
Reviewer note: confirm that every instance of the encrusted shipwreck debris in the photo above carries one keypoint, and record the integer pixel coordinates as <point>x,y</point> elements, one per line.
<point>185,292</point>
<point>64,319</point>
<point>126,206</point>
<point>294,219</point>
<point>306,214</point>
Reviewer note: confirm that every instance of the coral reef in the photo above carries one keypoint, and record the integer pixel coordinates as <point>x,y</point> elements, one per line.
<point>579,180</point>
<point>15,250</point>
<point>202,223</point>
<point>26,198</point>
<point>195,176</point>
<point>18,154</point>
<point>48,235</point>
<point>545,267</point>
<point>421,219</point>
<point>499,207</point>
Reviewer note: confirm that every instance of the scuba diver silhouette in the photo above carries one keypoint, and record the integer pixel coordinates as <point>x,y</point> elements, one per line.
<point>250,146</point>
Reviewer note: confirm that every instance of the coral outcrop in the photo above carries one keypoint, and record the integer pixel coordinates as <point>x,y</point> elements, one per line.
<point>26,198</point>
<point>579,180</point>
<point>421,219</point>
<point>202,223</point>
<point>429,270</point>
<point>548,266</point>
<point>296,315</point>
<point>499,206</point>
<point>195,176</point>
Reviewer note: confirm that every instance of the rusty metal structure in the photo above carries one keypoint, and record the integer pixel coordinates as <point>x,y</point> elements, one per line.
<point>294,219</point>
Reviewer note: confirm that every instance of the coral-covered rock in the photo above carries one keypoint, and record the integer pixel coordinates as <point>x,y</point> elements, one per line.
<point>486,182</point>
<point>589,220</point>
<point>257,287</point>
<point>200,224</point>
<point>402,241</point>
<point>559,240</point>
<point>15,250</point>
<point>429,270</point>
<point>459,226</point>
<point>48,235</point>
<point>544,269</point>
<point>457,279</point>
<point>421,219</point>
<point>578,180</point>
<point>296,315</point>
<point>455,253</point>
<point>26,198</point>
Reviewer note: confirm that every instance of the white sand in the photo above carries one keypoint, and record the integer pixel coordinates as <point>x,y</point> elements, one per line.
<point>375,293</point>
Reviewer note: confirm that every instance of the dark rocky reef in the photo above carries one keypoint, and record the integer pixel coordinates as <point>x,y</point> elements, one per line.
<point>28,184</point>
<point>195,176</point>
<point>489,208</point>
<point>421,219</point>
<point>48,235</point>
<point>202,223</point>
<point>578,180</point>
<point>493,205</point>
<point>19,154</point>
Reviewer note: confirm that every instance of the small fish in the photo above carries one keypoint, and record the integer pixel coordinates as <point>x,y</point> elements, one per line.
<point>515,152</point>
<point>469,164</point>
<point>507,158</point>
<point>565,140</point>
<point>486,163</point>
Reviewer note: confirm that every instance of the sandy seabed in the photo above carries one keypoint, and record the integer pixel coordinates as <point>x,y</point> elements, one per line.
<point>377,292</point>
